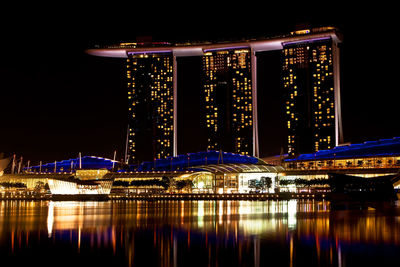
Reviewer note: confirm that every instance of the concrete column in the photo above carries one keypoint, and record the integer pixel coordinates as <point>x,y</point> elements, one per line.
<point>254,101</point>
<point>175,96</point>
<point>336,85</point>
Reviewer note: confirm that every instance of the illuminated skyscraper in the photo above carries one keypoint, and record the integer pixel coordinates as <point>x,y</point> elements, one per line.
<point>311,81</point>
<point>229,100</point>
<point>228,110</point>
<point>151,106</point>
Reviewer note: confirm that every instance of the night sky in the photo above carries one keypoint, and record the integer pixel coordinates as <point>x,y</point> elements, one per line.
<point>57,101</point>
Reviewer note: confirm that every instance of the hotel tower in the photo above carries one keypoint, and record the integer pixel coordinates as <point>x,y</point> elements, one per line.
<point>151,106</point>
<point>227,101</point>
<point>311,89</point>
<point>311,85</point>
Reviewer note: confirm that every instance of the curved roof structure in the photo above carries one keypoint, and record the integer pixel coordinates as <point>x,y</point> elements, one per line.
<point>240,168</point>
<point>213,161</point>
<point>383,147</point>
<point>86,162</point>
<point>123,50</point>
<point>192,160</point>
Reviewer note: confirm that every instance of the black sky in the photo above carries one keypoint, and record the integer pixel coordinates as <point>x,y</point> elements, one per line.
<point>57,101</point>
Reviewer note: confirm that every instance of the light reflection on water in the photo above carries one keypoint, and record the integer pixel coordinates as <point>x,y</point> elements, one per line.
<point>197,233</point>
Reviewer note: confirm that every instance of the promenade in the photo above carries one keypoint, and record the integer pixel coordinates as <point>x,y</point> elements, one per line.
<point>183,196</point>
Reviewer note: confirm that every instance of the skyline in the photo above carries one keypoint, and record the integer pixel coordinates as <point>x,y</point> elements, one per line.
<point>229,109</point>
<point>87,111</point>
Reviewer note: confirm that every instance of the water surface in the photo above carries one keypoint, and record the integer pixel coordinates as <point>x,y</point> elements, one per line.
<point>196,233</point>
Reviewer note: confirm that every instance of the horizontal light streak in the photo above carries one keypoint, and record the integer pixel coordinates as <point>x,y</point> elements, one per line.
<point>227,48</point>
<point>149,52</point>
<point>307,41</point>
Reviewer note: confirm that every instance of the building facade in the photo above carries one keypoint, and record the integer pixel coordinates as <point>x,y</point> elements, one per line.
<point>380,154</point>
<point>310,79</point>
<point>151,106</point>
<point>227,100</point>
<point>311,87</point>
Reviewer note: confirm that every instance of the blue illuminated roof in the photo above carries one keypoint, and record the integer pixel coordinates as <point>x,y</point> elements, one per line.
<point>182,162</point>
<point>88,162</point>
<point>380,148</point>
<point>191,160</point>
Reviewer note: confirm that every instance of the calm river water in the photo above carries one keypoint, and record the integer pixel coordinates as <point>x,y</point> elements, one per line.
<point>196,233</point>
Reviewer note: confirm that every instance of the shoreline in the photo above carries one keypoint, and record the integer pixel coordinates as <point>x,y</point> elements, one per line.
<point>182,196</point>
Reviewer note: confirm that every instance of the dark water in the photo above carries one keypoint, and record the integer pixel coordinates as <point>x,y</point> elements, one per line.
<point>196,233</point>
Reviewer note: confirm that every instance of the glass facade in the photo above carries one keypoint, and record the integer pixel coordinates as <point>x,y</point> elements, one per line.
<point>383,153</point>
<point>228,111</point>
<point>308,84</point>
<point>151,106</point>
<point>347,163</point>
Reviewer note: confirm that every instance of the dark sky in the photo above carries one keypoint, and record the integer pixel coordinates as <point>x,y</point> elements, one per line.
<point>57,101</point>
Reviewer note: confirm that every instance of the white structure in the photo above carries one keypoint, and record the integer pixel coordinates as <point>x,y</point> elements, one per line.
<point>80,187</point>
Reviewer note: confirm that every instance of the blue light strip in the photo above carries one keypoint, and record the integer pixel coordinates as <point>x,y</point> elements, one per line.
<point>88,162</point>
<point>381,148</point>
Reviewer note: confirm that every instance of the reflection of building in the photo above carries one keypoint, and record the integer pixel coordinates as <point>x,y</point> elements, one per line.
<point>247,231</point>
<point>228,115</point>
<point>311,84</point>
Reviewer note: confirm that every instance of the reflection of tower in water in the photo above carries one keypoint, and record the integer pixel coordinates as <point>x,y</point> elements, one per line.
<point>212,232</point>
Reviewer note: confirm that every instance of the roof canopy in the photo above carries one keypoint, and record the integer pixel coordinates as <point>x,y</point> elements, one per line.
<point>192,160</point>
<point>240,168</point>
<point>187,162</point>
<point>380,148</point>
<point>86,162</point>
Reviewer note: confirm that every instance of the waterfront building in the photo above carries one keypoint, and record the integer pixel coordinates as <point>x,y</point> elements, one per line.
<point>83,176</point>
<point>366,160</point>
<point>368,156</point>
<point>151,106</point>
<point>310,74</point>
<point>227,100</point>
<point>213,171</point>
<point>207,172</point>
<point>311,66</point>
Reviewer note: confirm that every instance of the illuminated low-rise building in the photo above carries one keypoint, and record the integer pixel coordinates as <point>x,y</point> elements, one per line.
<point>214,172</point>
<point>209,172</point>
<point>79,176</point>
<point>79,187</point>
<point>203,172</point>
<point>368,159</point>
<point>384,153</point>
